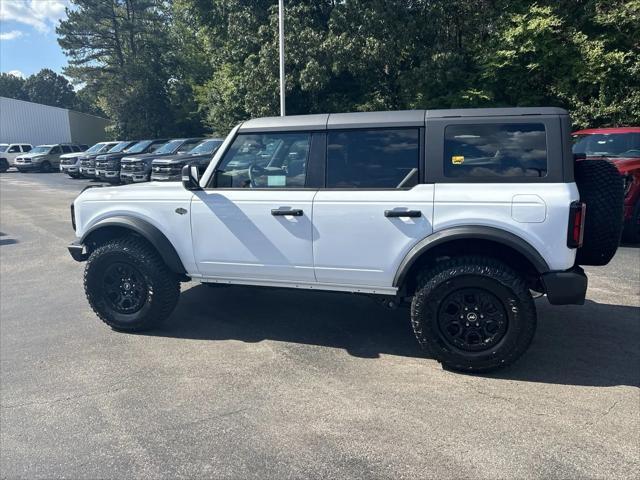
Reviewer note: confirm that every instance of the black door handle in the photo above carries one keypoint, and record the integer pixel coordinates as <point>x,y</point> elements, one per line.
<point>402,213</point>
<point>281,212</point>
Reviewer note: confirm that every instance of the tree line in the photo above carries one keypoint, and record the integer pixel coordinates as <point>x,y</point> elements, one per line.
<point>49,88</point>
<point>184,67</point>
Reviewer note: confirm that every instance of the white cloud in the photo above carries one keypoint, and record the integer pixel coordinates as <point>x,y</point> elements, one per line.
<point>16,73</point>
<point>42,15</point>
<point>12,35</point>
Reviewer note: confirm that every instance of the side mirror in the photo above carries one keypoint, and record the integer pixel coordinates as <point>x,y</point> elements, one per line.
<point>190,177</point>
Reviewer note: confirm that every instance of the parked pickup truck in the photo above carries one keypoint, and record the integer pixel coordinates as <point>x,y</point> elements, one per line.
<point>70,163</point>
<point>44,158</point>
<point>137,168</point>
<point>88,161</point>
<point>9,152</point>
<point>463,215</point>
<point>169,169</point>
<point>108,165</point>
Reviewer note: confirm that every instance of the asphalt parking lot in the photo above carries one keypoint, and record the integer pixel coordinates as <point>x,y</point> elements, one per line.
<point>246,382</point>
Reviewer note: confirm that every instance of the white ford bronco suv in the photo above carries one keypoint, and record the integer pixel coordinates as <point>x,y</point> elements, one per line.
<point>466,215</point>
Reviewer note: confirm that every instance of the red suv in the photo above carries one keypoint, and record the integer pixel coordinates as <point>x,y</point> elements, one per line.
<point>622,147</point>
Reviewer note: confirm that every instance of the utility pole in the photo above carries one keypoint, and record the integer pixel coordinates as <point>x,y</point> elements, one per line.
<point>281,32</point>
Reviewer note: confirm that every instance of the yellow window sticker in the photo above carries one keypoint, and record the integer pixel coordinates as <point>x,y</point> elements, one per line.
<point>457,159</point>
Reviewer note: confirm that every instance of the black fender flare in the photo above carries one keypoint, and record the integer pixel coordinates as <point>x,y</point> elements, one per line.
<point>470,232</point>
<point>146,230</point>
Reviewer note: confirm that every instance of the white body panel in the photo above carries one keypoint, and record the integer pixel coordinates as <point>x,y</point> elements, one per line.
<point>235,235</point>
<point>156,203</point>
<point>354,243</point>
<point>538,214</point>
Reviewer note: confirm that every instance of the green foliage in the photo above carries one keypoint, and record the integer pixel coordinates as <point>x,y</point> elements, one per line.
<point>49,88</point>
<point>160,68</point>
<point>122,51</point>
<point>12,87</point>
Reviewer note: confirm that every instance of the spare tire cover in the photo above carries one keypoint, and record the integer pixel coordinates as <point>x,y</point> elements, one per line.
<point>601,189</point>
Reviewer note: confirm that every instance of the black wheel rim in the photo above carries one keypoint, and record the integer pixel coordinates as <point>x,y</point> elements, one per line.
<point>125,289</point>
<point>472,319</point>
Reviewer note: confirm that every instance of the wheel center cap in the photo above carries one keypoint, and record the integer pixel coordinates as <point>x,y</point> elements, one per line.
<point>472,317</point>
<point>126,286</point>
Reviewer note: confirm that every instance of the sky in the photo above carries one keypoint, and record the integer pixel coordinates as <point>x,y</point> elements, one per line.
<point>28,38</point>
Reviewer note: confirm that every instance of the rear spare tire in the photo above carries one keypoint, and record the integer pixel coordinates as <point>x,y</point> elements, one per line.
<point>601,189</point>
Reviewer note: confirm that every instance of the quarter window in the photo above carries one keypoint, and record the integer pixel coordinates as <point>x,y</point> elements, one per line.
<point>498,150</point>
<point>275,160</point>
<point>373,158</point>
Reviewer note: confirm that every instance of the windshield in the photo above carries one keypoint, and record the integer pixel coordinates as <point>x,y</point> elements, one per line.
<point>3,148</point>
<point>608,144</point>
<point>119,147</point>
<point>41,149</point>
<point>170,147</point>
<point>208,146</point>
<point>96,148</point>
<point>140,147</point>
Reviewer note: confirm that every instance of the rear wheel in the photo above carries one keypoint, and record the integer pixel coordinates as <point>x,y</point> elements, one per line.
<point>473,314</point>
<point>128,285</point>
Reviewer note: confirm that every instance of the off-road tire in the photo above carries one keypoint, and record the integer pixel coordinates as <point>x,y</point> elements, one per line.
<point>489,275</point>
<point>162,292</point>
<point>631,232</point>
<point>601,188</point>
<point>4,165</point>
<point>45,167</point>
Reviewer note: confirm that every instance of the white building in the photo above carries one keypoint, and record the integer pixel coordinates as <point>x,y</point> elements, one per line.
<point>37,124</point>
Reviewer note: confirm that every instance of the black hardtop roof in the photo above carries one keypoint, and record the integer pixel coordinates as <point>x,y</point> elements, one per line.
<point>398,118</point>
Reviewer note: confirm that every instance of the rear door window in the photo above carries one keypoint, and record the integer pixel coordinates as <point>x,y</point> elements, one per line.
<point>495,150</point>
<point>66,149</point>
<point>376,158</point>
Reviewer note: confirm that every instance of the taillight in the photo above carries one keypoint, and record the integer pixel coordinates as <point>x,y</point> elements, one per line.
<point>575,233</point>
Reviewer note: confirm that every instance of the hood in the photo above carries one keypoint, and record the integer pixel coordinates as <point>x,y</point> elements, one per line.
<point>142,156</point>
<point>110,156</point>
<point>626,165</point>
<point>184,158</point>
<point>32,155</point>
<point>623,164</point>
<point>90,156</point>
<point>72,155</point>
<point>167,191</point>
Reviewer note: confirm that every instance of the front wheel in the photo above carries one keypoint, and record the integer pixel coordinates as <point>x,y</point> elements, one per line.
<point>4,165</point>
<point>128,285</point>
<point>45,167</point>
<point>473,314</point>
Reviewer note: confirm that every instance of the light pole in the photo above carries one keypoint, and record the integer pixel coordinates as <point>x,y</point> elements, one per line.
<point>281,32</point>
